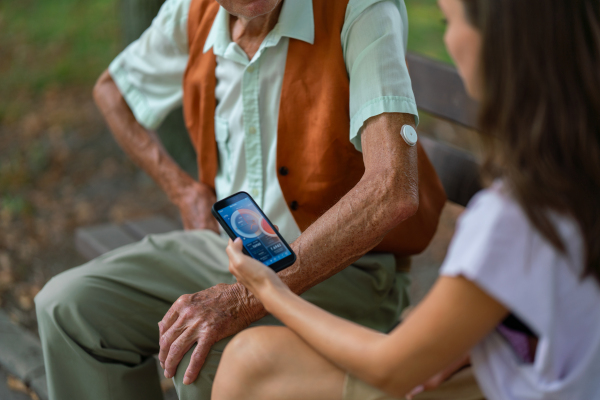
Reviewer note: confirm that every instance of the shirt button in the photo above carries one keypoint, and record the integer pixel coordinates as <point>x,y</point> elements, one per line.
<point>252,130</point>
<point>294,205</point>
<point>250,69</point>
<point>255,192</point>
<point>283,171</point>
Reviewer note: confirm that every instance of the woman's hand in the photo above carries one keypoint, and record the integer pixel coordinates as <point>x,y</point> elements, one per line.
<point>435,381</point>
<point>257,277</point>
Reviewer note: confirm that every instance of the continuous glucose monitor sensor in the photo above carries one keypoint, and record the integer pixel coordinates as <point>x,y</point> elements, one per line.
<point>409,135</point>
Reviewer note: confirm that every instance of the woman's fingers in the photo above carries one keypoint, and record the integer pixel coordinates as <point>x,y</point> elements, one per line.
<point>248,271</point>
<point>234,251</point>
<point>237,246</point>
<point>418,390</point>
<point>237,258</point>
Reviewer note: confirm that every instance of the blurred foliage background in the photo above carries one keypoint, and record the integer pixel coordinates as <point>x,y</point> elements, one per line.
<point>52,44</point>
<point>67,43</point>
<point>59,166</point>
<point>427,29</point>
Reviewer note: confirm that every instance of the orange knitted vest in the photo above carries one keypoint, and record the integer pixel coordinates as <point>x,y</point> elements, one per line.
<point>317,164</point>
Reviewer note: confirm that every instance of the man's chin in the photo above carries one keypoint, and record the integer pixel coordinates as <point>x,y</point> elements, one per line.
<point>249,9</point>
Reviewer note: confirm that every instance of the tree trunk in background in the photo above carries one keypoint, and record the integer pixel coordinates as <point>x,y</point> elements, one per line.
<point>136,17</point>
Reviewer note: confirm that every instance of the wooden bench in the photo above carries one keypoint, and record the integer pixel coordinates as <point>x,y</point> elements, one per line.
<point>438,91</point>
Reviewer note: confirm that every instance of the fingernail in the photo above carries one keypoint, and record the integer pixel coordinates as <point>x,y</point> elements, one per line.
<point>415,391</point>
<point>167,375</point>
<point>162,365</point>
<point>186,381</point>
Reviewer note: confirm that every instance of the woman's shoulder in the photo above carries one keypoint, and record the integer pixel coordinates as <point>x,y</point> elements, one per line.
<point>493,213</point>
<point>495,200</point>
<point>495,231</point>
<point>499,249</point>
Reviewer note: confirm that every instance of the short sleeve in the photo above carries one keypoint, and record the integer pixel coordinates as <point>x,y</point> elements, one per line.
<point>374,39</point>
<point>496,247</point>
<point>149,72</point>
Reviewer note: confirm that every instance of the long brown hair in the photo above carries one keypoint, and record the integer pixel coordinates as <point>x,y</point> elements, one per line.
<point>540,112</point>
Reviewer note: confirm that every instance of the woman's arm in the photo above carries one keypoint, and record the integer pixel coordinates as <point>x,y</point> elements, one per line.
<point>454,317</point>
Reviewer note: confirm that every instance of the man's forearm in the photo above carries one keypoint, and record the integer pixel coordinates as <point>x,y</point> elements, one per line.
<point>386,195</point>
<point>142,145</point>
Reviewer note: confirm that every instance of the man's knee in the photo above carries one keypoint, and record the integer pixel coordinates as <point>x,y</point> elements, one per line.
<point>201,388</point>
<point>66,296</point>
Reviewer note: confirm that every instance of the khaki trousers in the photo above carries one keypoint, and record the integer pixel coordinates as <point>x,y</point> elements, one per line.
<point>98,322</point>
<point>461,386</point>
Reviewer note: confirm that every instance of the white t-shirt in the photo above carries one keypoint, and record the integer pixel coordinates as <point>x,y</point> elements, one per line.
<point>498,249</point>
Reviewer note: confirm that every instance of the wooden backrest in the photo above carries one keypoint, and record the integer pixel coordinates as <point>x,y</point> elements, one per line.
<point>439,91</point>
<point>457,169</point>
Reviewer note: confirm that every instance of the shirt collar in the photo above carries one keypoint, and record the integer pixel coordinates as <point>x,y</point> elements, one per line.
<point>296,21</point>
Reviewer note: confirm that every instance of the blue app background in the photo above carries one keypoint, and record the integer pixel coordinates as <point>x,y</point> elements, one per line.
<point>259,238</point>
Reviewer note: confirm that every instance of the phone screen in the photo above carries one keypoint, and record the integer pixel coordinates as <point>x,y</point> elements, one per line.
<point>257,234</point>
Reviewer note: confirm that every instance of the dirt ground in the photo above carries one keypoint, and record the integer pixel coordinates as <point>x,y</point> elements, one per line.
<point>60,169</point>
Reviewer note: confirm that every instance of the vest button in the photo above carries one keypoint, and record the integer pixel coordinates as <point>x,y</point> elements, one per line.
<point>294,205</point>
<point>283,171</point>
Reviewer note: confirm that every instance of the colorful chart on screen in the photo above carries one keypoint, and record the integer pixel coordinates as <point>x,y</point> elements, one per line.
<point>258,235</point>
<point>266,228</point>
<point>246,223</point>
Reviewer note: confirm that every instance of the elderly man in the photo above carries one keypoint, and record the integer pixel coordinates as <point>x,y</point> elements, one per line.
<point>301,103</point>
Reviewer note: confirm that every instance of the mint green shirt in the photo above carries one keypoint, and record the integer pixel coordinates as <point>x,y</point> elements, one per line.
<point>149,74</point>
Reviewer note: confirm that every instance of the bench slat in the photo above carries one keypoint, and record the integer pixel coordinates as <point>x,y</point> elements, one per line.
<point>439,91</point>
<point>457,169</point>
<point>94,241</point>
<point>157,224</point>
<point>21,355</point>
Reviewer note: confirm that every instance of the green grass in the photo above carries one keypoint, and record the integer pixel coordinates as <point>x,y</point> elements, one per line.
<point>68,43</point>
<point>426,29</point>
<point>58,41</point>
<point>53,43</point>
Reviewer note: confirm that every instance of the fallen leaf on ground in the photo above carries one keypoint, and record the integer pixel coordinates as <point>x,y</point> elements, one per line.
<point>25,294</point>
<point>16,385</point>
<point>5,263</point>
<point>6,279</point>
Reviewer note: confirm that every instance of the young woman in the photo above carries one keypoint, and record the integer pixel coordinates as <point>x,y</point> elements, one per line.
<point>519,289</point>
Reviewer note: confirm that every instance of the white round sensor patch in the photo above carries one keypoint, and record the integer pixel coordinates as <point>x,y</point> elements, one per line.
<point>410,135</point>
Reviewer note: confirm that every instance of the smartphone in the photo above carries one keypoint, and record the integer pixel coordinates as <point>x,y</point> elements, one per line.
<point>240,216</point>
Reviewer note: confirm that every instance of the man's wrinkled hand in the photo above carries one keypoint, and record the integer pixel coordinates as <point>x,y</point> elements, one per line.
<point>203,318</point>
<point>195,203</point>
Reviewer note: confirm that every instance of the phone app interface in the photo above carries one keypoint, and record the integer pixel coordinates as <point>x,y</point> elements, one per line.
<point>258,236</point>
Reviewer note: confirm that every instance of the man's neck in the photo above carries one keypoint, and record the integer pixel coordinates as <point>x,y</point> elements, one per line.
<point>250,33</point>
